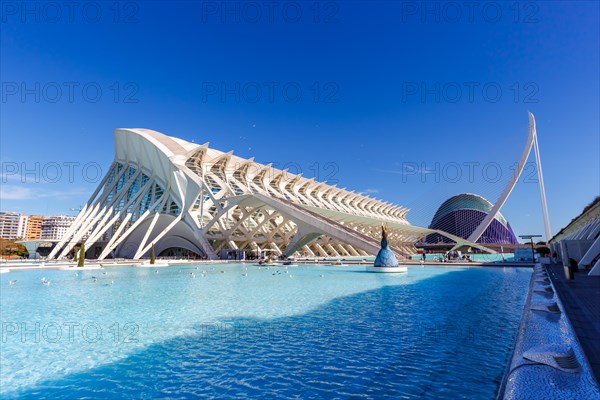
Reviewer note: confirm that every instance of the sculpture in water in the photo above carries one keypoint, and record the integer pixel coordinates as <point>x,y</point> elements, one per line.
<point>385,257</point>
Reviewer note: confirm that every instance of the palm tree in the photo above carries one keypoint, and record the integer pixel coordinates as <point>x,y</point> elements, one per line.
<point>81,255</point>
<point>152,257</point>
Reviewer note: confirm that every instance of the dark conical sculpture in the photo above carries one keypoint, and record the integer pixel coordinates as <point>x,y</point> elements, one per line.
<point>385,257</point>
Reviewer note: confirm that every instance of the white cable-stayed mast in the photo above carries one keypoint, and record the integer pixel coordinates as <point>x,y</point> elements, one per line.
<point>531,143</point>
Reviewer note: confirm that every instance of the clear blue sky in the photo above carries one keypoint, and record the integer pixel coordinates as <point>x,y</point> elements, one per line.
<point>389,90</point>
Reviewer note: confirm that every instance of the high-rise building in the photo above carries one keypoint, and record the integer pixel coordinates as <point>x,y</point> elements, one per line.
<point>55,227</point>
<point>34,227</point>
<point>11,225</point>
<point>22,229</point>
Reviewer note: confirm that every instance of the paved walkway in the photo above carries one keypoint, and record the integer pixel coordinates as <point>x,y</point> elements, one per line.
<point>581,300</point>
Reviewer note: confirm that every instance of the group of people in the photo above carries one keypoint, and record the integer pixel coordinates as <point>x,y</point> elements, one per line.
<point>452,255</point>
<point>455,255</point>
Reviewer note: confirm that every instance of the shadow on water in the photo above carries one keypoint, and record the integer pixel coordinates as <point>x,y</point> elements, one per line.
<point>448,336</point>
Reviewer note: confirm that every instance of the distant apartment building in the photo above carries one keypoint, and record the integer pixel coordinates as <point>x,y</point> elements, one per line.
<point>55,227</point>
<point>15,226</point>
<point>12,225</point>
<point>22,230</point>
<point>34,227</point>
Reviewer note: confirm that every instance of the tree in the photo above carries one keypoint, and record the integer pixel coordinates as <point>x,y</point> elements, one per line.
<point>81,260</point>
<point>152,257</point>
<point>543,250</point>
<point>10,248</point>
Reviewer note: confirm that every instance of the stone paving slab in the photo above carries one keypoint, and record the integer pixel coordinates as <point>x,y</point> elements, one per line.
<point>581,300</point>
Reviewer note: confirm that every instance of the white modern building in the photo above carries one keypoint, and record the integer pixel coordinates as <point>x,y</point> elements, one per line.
<point>22,227</point>
<point>189,198</point>
<point>55,227</point>
<point>12,225</point>
<point>580,239</point>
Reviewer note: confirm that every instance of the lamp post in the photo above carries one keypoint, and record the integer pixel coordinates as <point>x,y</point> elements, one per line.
<point>73,210</point>
<point>530,237</point>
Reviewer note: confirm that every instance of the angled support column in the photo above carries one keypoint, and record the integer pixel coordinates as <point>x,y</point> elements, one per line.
<point>538,162</point>
<point>146,236</point>
<point>509,187</point>
<point>590,254</point>
<point>304,236</point>
<point>115,236</point>
<point>159,236</point>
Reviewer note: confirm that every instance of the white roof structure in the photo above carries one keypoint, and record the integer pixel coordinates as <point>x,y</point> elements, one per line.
<point>580,239</point>
<point>174,194</point>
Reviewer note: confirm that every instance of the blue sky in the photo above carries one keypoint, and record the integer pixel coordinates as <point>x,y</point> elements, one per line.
<point>371,95</point>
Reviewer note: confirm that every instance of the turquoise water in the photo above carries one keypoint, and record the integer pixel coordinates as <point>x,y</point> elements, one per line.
<point>313,332</point>
<point>475,257</point>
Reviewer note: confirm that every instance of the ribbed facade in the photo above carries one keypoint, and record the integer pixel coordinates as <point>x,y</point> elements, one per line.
<point>460,215</point>
<point>177,195</point>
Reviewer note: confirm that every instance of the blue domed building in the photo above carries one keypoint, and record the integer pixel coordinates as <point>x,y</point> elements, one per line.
<point>461,214</point>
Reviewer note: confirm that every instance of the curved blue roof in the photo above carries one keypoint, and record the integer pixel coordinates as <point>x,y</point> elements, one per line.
<point>465,201</point>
